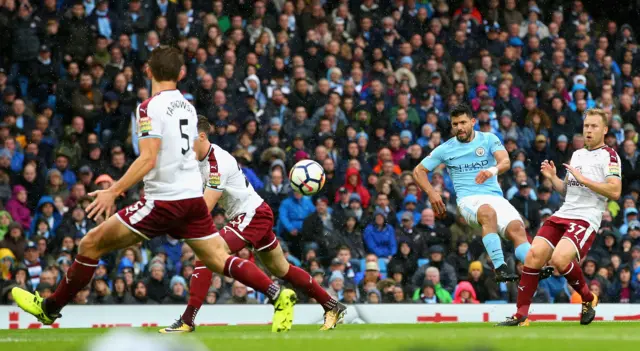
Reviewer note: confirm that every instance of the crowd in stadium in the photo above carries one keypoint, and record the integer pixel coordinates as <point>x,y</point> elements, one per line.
<point>362,87</point>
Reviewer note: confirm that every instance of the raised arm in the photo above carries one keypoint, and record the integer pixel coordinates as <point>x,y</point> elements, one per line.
<point>548,170</point>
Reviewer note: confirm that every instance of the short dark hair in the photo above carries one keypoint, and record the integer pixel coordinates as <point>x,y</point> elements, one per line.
<point>166,63</point>
<point>203,124</point>
<point>344,247</point>
<point>461,109</point>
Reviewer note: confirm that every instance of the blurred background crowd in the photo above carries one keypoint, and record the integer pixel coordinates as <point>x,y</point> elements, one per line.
<point>362,87</point>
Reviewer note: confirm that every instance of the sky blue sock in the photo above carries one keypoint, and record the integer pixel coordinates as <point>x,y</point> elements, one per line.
<point>521,251</point>
<point>493,245</point>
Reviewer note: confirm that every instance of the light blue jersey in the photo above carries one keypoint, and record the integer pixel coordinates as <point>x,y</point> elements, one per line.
<point>465,160</point>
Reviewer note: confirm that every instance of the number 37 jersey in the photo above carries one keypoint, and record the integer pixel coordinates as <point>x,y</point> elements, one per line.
<point>581,202</point>
<point>170,117</point>
<point>220,172</point>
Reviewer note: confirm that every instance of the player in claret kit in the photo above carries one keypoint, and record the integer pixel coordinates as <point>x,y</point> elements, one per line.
<point>173,202</point>
<point>474,159</point>
<point>593,178</point>
<point>250,225</point>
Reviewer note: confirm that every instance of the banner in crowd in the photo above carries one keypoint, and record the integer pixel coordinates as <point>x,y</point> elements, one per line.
<point>108,316</point>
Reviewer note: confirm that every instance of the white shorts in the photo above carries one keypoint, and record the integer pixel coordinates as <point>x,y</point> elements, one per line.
<point>506,213</point>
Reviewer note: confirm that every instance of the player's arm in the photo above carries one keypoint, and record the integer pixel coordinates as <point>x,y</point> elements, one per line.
<point>503,164</point>
<point>548,169</point>
<point>421,177</point>
<point>611,188</point>
<point>149,147</point>
<point>211,197</point>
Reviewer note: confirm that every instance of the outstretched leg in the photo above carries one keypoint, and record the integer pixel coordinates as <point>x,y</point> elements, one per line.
<point>108,236</point>
<point>277,264</point>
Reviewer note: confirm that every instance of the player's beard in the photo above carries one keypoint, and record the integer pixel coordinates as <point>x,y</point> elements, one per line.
<point>466,137</point>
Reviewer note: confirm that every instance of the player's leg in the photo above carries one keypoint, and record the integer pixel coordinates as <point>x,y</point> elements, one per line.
<point>199,285</point>
<point>108,236</point>
<point>488,219</point>
<point>540,252</point>
<point>214,253</point>
<point>564,259</point>
<point>278,265</point>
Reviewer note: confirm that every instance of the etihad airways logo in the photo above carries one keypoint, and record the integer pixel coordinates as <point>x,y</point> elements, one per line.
<point>470,167</point>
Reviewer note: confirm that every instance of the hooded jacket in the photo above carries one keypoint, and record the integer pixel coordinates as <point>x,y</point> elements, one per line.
<point>258,94</point>
<point>380,240</point>
<point>359,188</point>
<point>590,102</point>
<point>4,228</point>
<point>18,210</point>
<point>293,212</point>
<point>416,215</point>
<point>54,221</point>
<point>465,286</point>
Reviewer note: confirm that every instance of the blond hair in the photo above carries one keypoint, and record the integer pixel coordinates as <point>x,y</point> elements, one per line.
<point>598,112</point>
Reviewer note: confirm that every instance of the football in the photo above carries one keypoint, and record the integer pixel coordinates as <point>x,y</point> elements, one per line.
<point>307,177</point>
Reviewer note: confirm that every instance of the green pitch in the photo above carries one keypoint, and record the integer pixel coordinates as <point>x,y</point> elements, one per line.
<point>618,336</point>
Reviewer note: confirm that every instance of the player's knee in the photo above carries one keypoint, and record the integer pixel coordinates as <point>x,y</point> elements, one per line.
<point>535,258</point>
<point>90,244</point>
<point>487,216</point>
<point>560,260</point>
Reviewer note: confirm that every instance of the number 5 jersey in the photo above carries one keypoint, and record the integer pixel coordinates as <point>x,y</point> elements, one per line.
<point>168,116</point>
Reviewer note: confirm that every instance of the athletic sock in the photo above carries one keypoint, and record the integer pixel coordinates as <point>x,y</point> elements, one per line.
<point>526,289</point>
<point>303,281</point>
<point>575,278</point>
<point>198,289</point>
<point>78,276</point>
<point>521,251</point>
<point>493,245</point>
<point>247,273</point>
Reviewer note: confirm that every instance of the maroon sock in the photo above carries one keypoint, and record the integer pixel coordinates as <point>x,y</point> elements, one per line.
<point>303,281</point>
<point>526,289</point>
<point>247,273</point>
<point>198,289</point>
<point>575,278</point>
<point>78,276</point>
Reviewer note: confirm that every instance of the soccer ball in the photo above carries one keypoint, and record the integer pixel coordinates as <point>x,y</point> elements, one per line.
<point>307,177</point>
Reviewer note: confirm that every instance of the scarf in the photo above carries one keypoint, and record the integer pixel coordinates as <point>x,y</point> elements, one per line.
<point>104,24</point>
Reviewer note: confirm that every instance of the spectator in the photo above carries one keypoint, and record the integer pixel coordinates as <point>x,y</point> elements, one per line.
<point>157,285</point>
<point>121,294</point>
<point>405,260</point>
<point>446,272</point>
<point>240,295</point>
<point>17,207</point>
<point>429,233</point>
<point>140,294</point>
<point>526,206</point>
<point>350,235</point>
<point>292,213</point>
<point>320,227</point>
<point>483,285</point>
<point>336,285</point>
<point>15,241</point>
<point>465,293</point>
<point>34,264</point>
<point>101,294</point>
<point>432,282</point>
<point>5,221</point>
<point>624,290</point>
<point>45,210</point>
<point>353,184</point>
<point>178,295</point>
<point>556,286</point>
<point>379,236</point>
<point>459,260</point>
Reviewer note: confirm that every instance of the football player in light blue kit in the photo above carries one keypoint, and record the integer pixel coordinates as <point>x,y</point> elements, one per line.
<point>474,159</point>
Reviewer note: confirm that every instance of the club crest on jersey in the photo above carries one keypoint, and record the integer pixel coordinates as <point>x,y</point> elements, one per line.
<point>480,152</point>
<point>214,179</point>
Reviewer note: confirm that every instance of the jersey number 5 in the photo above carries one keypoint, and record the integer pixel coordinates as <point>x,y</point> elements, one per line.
<point>184,122</point>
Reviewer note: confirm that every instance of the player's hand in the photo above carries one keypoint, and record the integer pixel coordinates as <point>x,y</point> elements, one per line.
<point>483,176</point>
<point>104,200</point>
<point>575,173</point>
<point>437,204</point>
<point>548,169</point>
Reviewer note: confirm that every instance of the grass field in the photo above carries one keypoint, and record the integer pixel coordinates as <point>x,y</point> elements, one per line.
<point>618,336</point>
